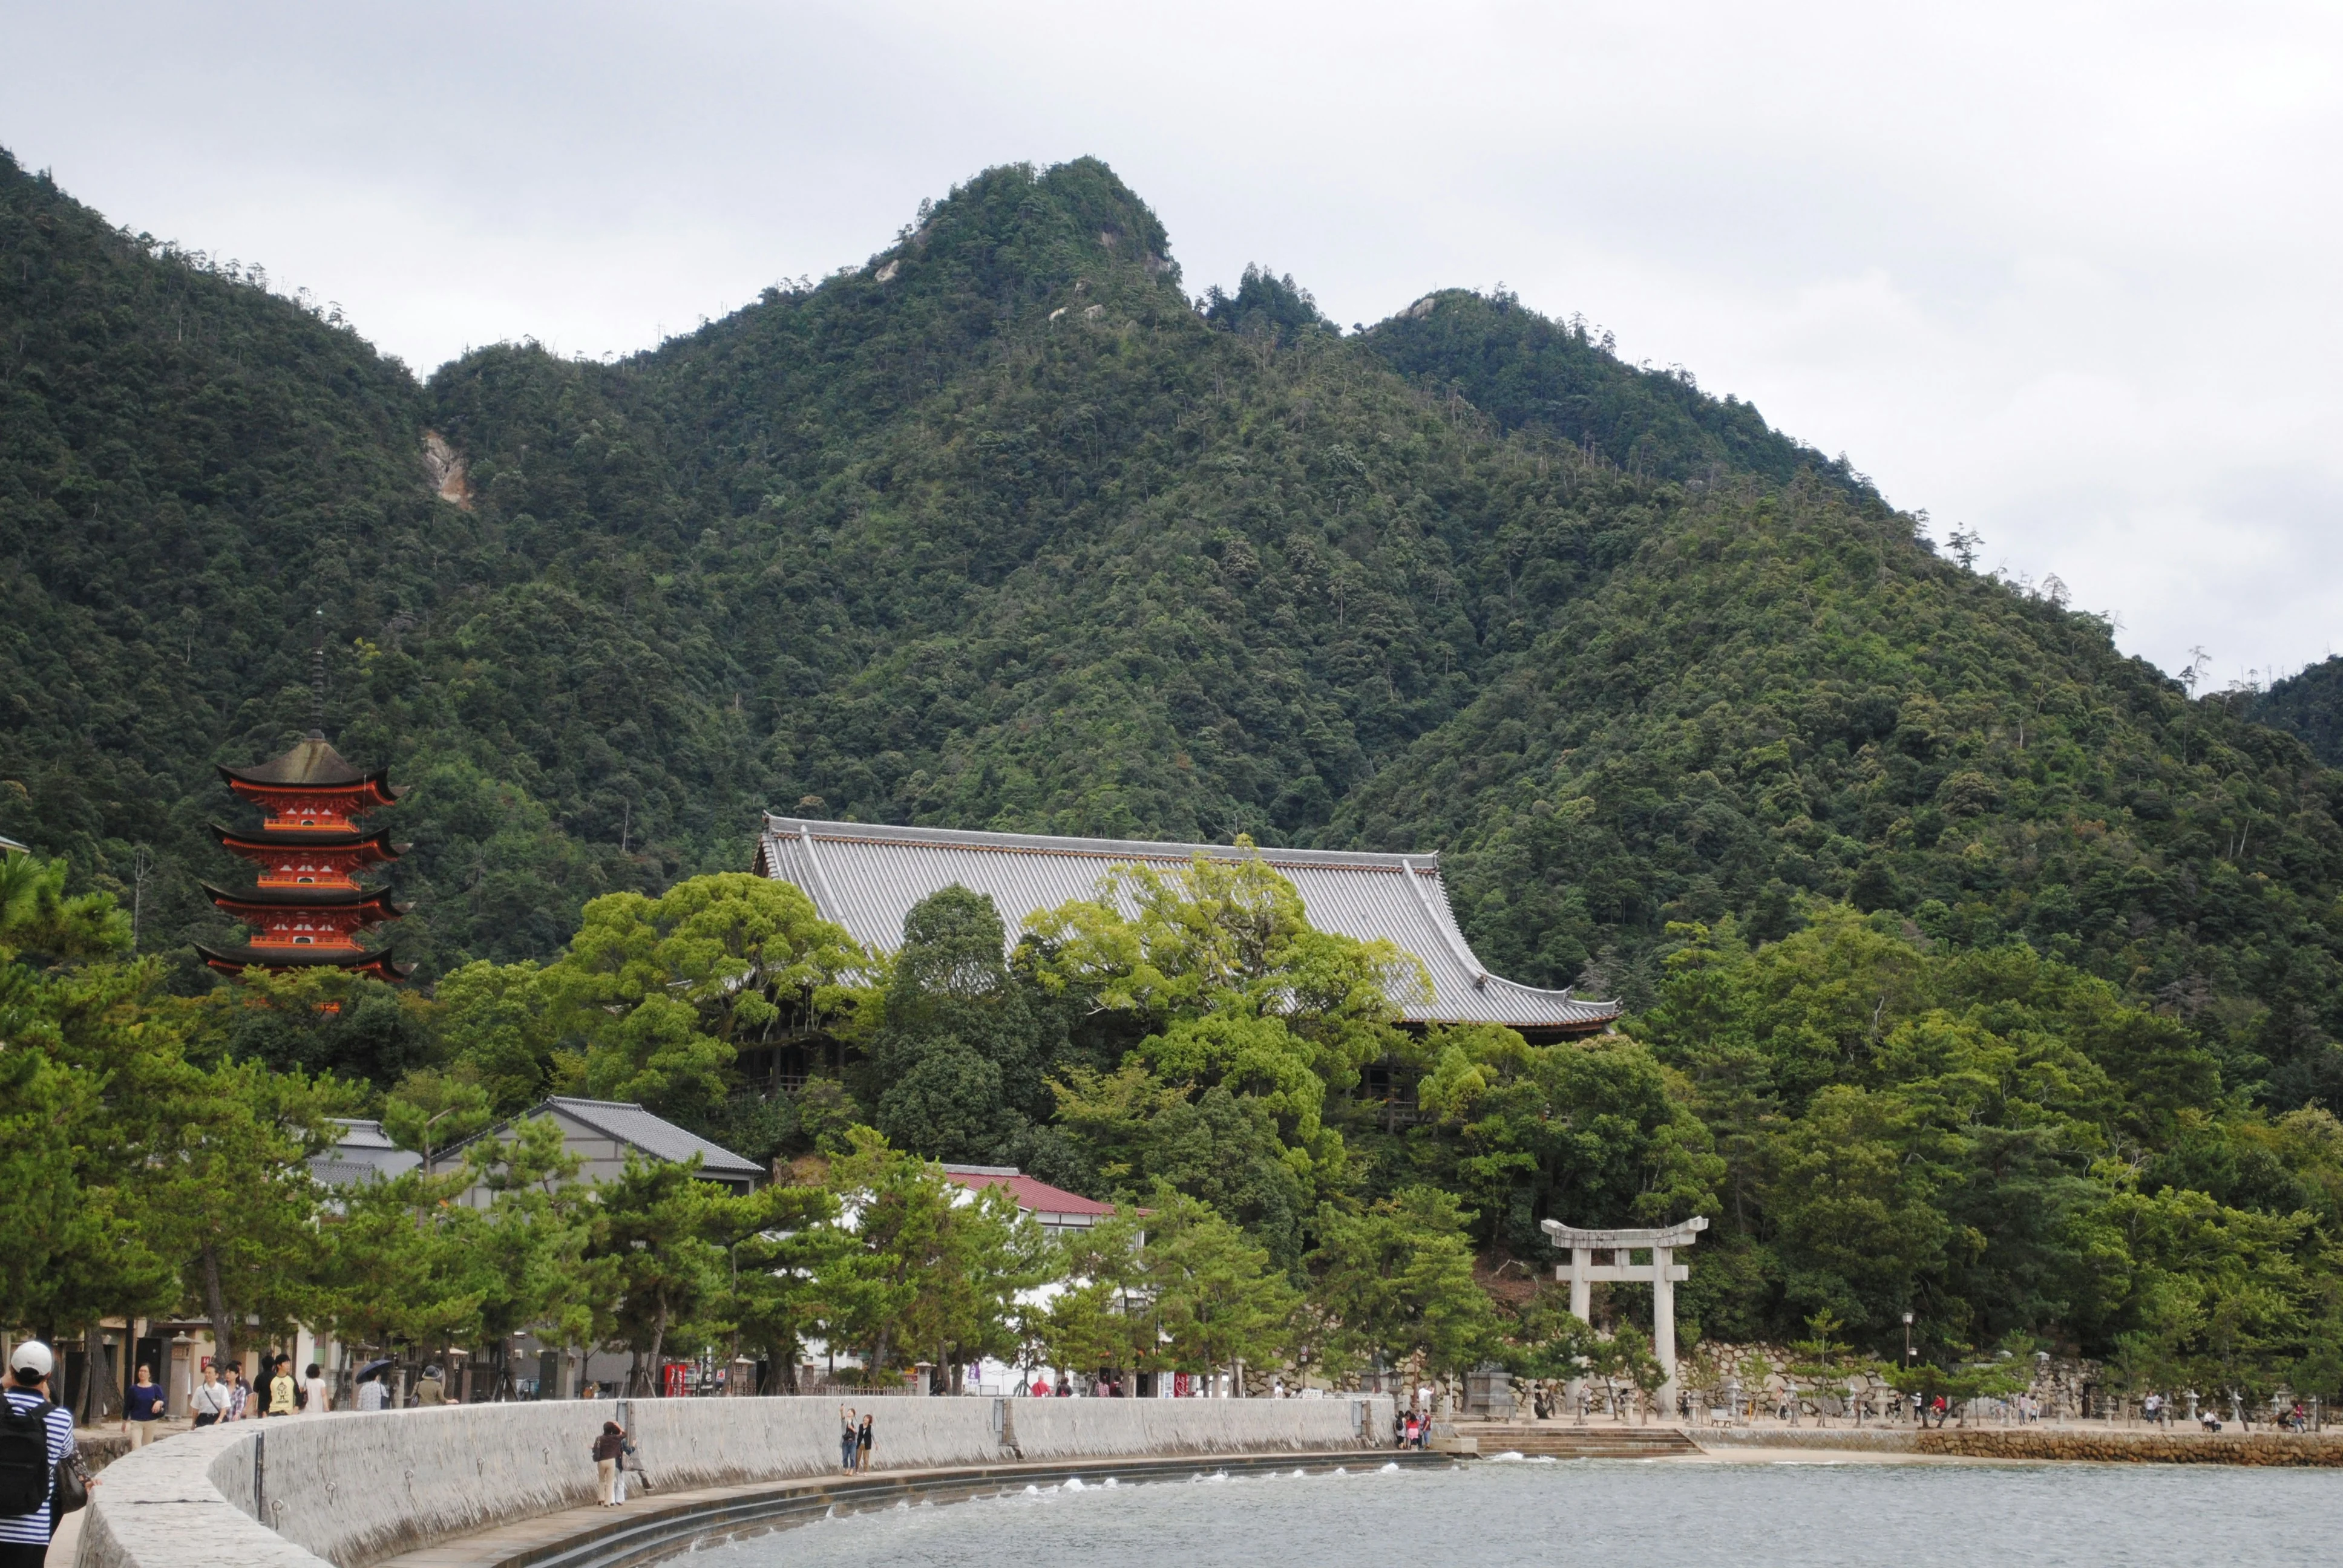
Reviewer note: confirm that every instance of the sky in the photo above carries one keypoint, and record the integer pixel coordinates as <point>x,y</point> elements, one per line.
<point>2061,275</point>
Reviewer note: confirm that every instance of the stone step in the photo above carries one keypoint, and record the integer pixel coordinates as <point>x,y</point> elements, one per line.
<point>1591,1441</point>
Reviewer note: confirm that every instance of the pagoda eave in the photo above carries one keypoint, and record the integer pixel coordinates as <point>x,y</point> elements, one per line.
<point>268,839</point>
<point>365,794</point>
<point>378,962</point>
<point>267,901</point>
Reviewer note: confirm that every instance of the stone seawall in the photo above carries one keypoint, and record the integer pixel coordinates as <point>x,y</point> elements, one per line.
<point>2134,1447</point>
<point>351,1489</point>
<point>2041,1442</point>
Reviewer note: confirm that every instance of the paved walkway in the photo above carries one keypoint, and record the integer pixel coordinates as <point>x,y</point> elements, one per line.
<point>875,1489</point>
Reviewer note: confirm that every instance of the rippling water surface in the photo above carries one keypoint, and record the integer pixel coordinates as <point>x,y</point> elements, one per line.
<point>1632,1514</point>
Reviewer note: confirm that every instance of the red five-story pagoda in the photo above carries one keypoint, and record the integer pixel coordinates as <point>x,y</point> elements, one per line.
<point>308,908</point>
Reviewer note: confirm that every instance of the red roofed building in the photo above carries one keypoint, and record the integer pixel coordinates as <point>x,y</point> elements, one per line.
<point>1053,1208</point>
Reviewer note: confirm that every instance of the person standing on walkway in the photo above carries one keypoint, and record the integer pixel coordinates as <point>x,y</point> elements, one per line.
<point>240,1393</point>
<point>862,1444</point>
<point>371,1393</point>
<point>847,1440</point>
<point>428,1388</point>
<point>608,1449</point>
<point>284,1392</point>
<point>630,1462</point>
<point>314,1400</point>
<point>142,1409</point>
<point>34,1439</point>
<point>209,1401</point>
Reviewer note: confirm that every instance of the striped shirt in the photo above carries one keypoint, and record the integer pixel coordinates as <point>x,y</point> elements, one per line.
<point>33,1529</point>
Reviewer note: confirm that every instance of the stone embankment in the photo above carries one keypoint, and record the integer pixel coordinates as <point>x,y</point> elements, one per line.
<point>2087,1444</point>
<point>2134,1447</point>
<point>353,1490</point>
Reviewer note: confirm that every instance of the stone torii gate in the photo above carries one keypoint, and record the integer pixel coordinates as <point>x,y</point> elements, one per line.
<point>1660,1274</point>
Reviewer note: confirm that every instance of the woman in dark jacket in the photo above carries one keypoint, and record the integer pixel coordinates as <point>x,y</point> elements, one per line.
<point>607,1451</point>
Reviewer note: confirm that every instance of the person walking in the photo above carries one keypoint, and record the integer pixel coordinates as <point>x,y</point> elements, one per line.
<point>848,1442</point>
<point>142,1409</point>
<point>862,1444</point>
<point>429,1389</point>
<point>372,1394</point>
<point>209,1401</point>
<point>608,1449</point>
<point>314,1400</point>
<point>36,1437</point>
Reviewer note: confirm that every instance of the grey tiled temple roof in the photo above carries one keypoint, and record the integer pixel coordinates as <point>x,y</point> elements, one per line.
<point>624,1122</point>
<point>362,1152</point>
<point>655,1135</point>
<point>867,877</point>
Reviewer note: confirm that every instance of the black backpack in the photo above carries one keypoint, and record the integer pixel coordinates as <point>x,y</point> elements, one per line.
<point>25,1474</point>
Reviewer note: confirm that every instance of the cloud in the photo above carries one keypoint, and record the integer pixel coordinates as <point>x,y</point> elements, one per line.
<point>2058,273</point>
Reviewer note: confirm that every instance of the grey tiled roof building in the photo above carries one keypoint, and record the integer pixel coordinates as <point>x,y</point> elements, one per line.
<point>866,877</point>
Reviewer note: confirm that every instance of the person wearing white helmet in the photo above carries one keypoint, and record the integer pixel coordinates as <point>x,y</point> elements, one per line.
<point>36,1437</point>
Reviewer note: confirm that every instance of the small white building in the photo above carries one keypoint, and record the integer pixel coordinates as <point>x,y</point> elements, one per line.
<point>1054,1209</point>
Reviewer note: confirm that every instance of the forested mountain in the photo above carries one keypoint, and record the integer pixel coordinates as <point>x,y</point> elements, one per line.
<point>2308,703</point>
<point>1973,967</point>
<point>1003,529</point>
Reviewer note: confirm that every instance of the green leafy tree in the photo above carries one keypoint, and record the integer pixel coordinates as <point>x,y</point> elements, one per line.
<point>493,1024</point>
<point>1593,1132</point>
<point>775,1258</point>
<point>1235,990</point>
<point>956,1066</point>
<point>404,1270</point>
<point>1218,1303</point>
<point>662,1231</point>
<point>934,1271</point>
<point>1105,1314</point>
<point>1395,1284</point>
<point>431,1109</point>
<point>239,1201</point>
<point>665,992</point>
<point>1545,1339</point>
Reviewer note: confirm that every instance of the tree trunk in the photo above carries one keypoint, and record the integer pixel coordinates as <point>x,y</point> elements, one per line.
<point>224,1324</point>
<point>93,1373</point>
<point>659,1341</point>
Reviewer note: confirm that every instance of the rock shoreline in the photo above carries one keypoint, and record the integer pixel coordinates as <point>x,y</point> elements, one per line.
<point>2320,1450</point>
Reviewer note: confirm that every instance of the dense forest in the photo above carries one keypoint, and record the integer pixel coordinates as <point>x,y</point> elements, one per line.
<point>1892,862</point>
<point>2309,703</point>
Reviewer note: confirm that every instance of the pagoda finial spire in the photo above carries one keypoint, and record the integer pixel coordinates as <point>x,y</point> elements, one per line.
<point>317,682</point>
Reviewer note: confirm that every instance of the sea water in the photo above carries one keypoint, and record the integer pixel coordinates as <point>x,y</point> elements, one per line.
<point>1601,1513</point>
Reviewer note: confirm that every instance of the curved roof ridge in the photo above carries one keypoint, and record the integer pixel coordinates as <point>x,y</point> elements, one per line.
<point>867,876</point>
<point>1114,849</point>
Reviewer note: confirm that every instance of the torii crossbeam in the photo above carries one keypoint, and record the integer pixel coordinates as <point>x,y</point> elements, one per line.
<point>1660,1274</point>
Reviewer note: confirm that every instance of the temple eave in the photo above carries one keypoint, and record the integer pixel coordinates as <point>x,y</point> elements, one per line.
<point>377,962</point>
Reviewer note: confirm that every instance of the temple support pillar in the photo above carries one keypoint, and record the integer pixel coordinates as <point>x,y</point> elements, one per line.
<point>1664,1324</point>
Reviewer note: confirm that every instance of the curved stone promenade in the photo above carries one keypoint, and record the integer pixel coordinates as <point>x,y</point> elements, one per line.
<point>357,1489</point>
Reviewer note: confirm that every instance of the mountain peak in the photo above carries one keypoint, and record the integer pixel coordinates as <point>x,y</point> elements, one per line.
<point>1013,229</point>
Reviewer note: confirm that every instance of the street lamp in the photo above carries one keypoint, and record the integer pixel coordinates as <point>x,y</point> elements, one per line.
<point>1908,1354</point>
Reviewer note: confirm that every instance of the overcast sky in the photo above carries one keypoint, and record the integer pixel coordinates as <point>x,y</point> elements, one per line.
<point>2063,275</point>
